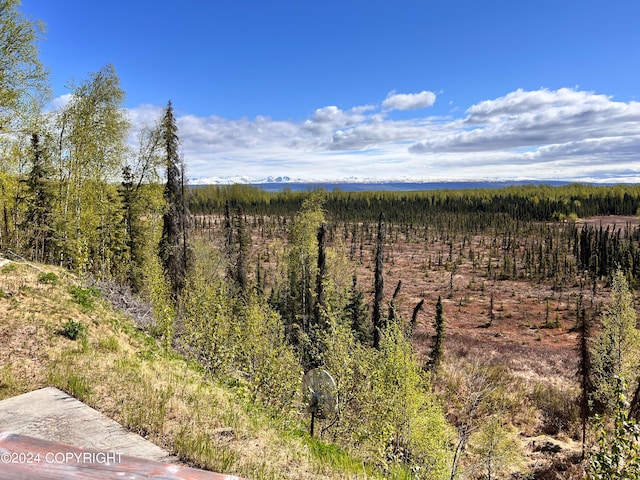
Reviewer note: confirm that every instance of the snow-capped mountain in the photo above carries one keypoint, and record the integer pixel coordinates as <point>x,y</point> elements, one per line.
<point>244,179</point>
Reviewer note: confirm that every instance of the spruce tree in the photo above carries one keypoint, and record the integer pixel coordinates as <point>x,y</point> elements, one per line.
<point>173,246</point>
<point>242,278</point>
<point>437,350</point>
<point>319,311</point>
<point>39,210</point>
<point>584,373</point>
<point>378,285</point>
<point>132,228</point>
<point>356,313</point>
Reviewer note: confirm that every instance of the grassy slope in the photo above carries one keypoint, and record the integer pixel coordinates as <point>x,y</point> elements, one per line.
<point>169,400</point>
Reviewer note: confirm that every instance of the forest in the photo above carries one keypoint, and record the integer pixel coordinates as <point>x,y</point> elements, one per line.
<point>477,334</point>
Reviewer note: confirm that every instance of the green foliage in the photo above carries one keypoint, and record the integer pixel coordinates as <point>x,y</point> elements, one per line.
<point>302,264</point>
<point>73,329</point>
<point>8,268</point>
<point>77,386</point>
<point>8,380</point>
<point>525,203</point>
<point>204,451</point>
<point>331,455</point>
<point>356,314</point>
<point>109,344</point>
<point>386,408</point>
<point>207,309</point>
<point>23,79</point>
<point>91,148</point>
<point>150,412</point>
<point>157,289</point>
<point>242,337</point>
<point>142,201</point>
<point>560,413</point>
<point>84,296</point>
<point>39,198</point>
<point>494,450</point>
<point>173,247</point>
<point>617,455</point>
<point>48,278</point>
<point>261,351</point>
<point>617,348</point>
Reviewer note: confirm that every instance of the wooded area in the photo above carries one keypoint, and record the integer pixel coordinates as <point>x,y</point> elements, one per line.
<point>261,287</point>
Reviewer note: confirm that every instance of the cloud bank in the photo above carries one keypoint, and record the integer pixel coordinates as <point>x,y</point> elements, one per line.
<point>563,134</point>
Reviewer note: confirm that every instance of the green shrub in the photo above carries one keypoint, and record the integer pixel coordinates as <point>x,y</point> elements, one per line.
<point>8,268</point>
<point>617,455</point>
<point>85,297</point>
<point>48,277</point>
<point>558,409</point>
<point>73,330</point>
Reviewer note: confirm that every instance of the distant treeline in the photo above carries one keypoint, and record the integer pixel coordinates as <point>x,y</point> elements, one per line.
<point>524,203</point>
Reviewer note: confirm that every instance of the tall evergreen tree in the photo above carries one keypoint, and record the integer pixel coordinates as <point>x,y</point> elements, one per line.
<point>584,373</point>
<point>356,313</point>
<point>437,350</point>
<point>378,285</point>
<point>133,231</point>
<point>39,210</point>
<point>141,198</point>
<point>320,306</point>
<point>242,278</point>
<point>173,247</point>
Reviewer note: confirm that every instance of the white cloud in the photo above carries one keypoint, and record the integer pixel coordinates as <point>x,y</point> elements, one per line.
<point>408,101</point>
<point>535,119</point>
<point>543,134</point>
<point>59,102</point>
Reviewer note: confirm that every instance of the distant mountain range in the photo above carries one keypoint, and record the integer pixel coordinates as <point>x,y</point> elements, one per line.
<point>279,183</point>
<point>285,179</point>
<point>243,179</point>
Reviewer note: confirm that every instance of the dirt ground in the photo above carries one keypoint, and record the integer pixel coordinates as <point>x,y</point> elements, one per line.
<point>530,329</point>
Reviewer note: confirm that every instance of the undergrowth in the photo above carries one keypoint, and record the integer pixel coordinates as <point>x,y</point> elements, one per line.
<point>212,423</point>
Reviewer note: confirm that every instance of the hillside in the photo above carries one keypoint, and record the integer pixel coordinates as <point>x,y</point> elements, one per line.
<point>122,372</point>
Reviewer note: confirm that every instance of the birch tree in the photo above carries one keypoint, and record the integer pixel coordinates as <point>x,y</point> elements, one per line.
<point>92,150</point>
<point>23,90</point>
<point>617,348</point>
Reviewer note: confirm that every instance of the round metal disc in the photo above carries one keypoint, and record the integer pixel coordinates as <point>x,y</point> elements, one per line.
<point>320,392</point>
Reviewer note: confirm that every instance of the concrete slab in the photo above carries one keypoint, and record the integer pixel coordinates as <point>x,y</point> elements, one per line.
<point>28,458</point>
<point>49,435</point>
<point>51,414</point>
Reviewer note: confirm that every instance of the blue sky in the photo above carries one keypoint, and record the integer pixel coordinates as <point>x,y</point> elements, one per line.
<point>425,90</point>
